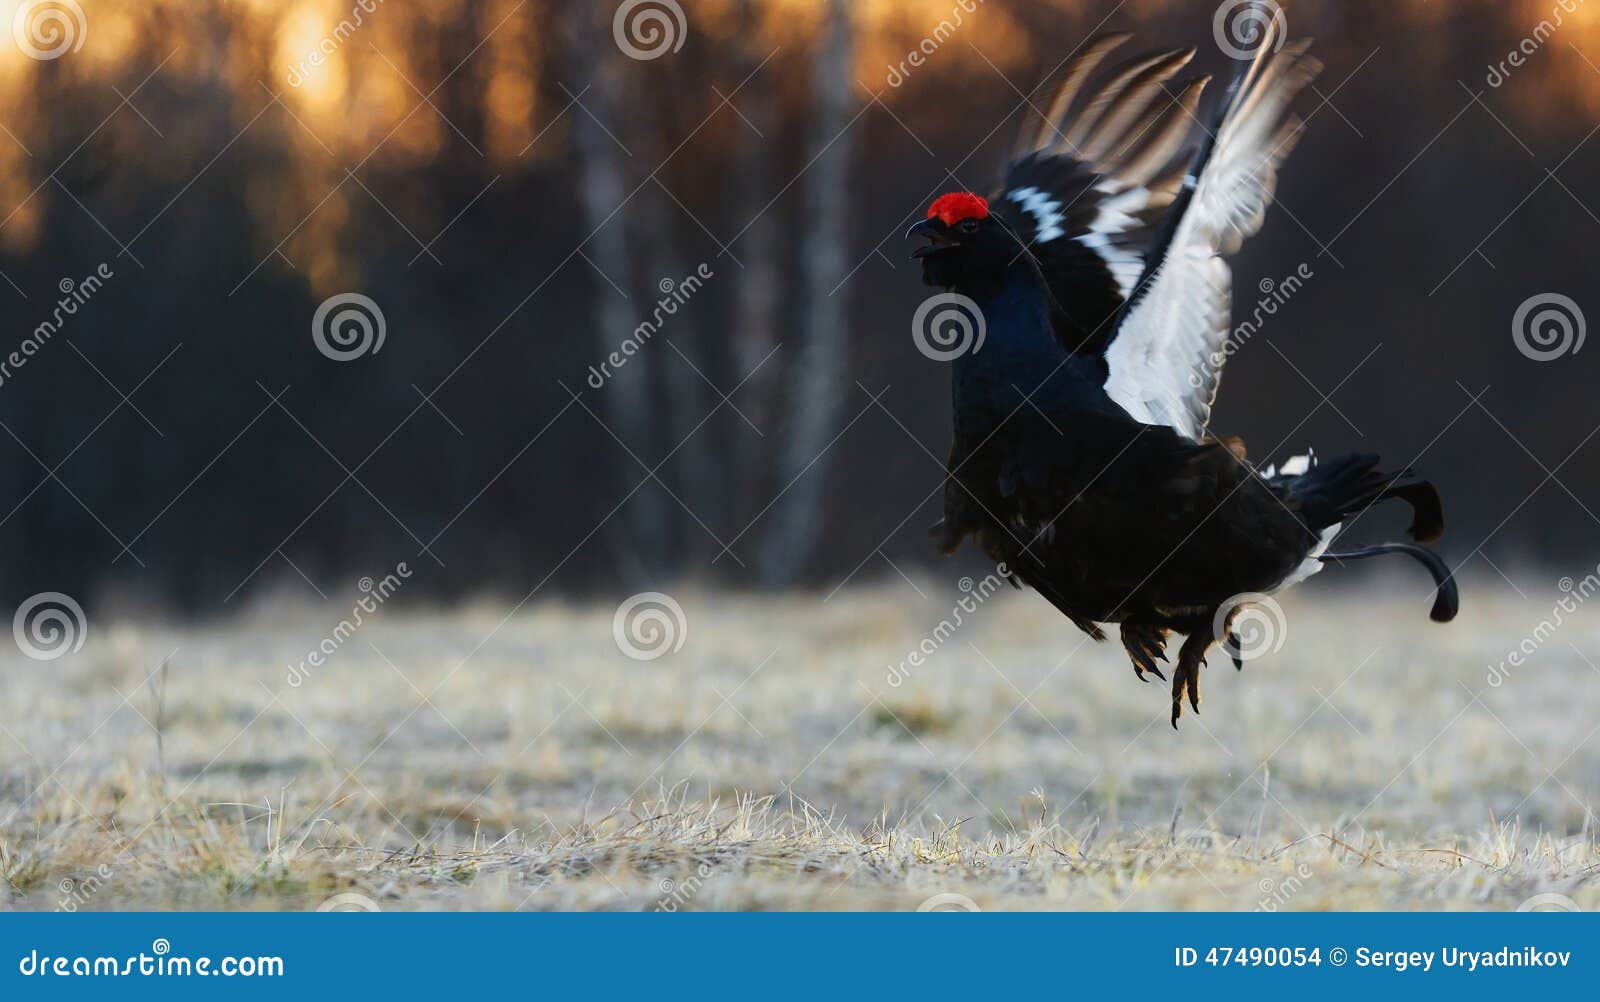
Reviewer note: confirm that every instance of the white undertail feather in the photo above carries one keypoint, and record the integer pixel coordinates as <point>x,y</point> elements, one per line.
<point>1311,564</point>
<point>1296,466</point>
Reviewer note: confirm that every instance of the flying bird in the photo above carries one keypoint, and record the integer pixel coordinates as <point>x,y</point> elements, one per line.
<point>1082,458</point>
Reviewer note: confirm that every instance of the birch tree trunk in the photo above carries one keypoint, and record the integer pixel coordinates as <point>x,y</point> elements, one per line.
<point>757,318</point>
<point>818,375</point>
<point>626,395</point>
<point>684,350</point>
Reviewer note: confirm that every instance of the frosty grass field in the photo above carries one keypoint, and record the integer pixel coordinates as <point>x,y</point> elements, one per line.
<point>487,758</point>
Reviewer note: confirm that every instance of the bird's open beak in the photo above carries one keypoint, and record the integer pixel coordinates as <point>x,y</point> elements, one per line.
<point>938,237</point>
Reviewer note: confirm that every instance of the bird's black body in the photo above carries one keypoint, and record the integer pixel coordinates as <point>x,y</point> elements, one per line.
<point>1111,519</point>
<point>1057,470</point>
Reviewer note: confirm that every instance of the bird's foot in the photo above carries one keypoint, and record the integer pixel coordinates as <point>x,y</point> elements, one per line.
<point>1186,677</point>
<point>1145,646</point>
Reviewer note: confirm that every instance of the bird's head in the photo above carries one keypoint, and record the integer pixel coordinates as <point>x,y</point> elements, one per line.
<point>968,250</point>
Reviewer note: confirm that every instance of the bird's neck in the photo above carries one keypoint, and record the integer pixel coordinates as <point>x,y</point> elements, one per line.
<point>1018,339</point>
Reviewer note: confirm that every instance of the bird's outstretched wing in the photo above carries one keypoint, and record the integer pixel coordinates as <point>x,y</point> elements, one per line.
<point>1165,357</point>
<point>1088,189</point>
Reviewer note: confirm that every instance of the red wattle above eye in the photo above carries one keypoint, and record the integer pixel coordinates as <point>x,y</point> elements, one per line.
<point>958,206</point>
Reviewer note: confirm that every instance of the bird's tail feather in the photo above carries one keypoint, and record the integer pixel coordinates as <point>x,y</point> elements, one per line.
<point>1427,512</point>
<point>1336,491</point>
<point>1446,599</point>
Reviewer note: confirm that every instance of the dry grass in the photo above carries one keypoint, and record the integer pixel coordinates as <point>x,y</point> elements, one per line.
<point>769,764</point>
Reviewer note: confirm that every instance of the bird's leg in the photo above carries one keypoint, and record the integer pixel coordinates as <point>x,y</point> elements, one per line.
<point>1231,640</point>
<point>1187,676</point>
<point>1145,645</point>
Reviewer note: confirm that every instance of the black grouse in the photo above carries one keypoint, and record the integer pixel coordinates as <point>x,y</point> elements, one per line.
<point>1082,460</point>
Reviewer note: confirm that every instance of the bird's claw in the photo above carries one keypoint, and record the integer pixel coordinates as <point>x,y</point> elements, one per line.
<point>1186,679</point>
<point>1142,662</point>
<point>1143,651</point>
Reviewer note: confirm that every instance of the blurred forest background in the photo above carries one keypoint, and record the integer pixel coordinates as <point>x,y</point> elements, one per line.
<point>515,191</point>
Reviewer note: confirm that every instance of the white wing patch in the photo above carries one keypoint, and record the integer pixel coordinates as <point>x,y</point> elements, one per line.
<point>1104,163</point>
<point>1166,359</point>
<point>1113,217</point>
<point>1045,210</point>
<point>1124,264</point>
